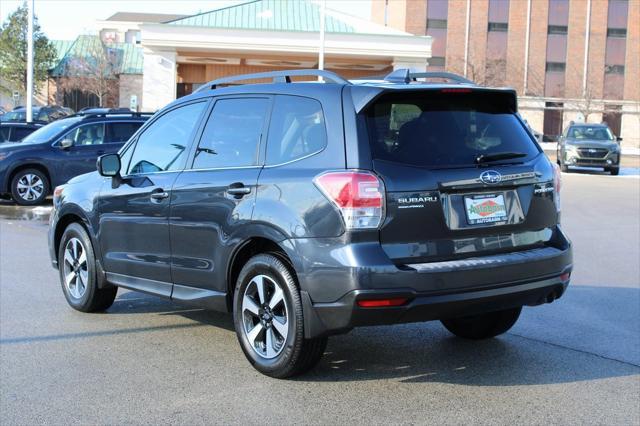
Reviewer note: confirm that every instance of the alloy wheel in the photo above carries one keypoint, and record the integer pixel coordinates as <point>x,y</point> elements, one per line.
<point>265,316</point>
<point>76,272</point>
<point>30,187</point>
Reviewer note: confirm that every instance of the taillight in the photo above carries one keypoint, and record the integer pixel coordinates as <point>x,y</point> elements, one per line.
<point>557,183</point>
<point>359,196</point>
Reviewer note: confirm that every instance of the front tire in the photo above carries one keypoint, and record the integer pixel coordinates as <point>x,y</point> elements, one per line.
<point>29,187</point>
<point>78,272</point>
<point>269,322</point>
<point>483,326</point>
<point>615,171</point>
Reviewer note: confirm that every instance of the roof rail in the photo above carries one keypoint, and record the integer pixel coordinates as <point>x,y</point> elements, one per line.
<point>103,112</point>
<point>277,76</point>
<point>404,75</point>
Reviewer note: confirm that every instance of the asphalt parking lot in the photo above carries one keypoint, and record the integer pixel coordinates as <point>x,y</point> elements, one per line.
<point>148,361</point>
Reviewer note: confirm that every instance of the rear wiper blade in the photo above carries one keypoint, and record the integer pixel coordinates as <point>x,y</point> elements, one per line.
<point>482,158</point>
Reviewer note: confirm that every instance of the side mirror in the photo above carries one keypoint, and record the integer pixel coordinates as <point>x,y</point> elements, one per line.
<point>108,165</point>
<point>66,143</point>
<point>619,139</point>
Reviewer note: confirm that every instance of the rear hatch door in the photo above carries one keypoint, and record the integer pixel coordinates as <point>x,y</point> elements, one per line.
<point>463,175</point>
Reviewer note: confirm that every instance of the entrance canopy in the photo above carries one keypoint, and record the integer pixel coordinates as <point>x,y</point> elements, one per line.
<point>267,35</point>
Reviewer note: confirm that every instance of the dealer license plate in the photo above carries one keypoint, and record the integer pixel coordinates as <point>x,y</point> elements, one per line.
<point>485,208</point>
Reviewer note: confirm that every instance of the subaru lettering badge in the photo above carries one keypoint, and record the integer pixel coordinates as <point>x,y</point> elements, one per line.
<point>490,177</point>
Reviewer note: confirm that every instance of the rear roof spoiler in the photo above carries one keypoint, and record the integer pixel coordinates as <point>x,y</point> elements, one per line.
<point>363,96</point>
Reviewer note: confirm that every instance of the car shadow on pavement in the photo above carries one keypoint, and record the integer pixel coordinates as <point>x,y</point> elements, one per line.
<point>131,302</point>
<point>426,352</point>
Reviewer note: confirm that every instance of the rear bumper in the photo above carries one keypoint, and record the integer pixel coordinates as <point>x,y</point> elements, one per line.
<point>345,314</point>
<point>331,289</point>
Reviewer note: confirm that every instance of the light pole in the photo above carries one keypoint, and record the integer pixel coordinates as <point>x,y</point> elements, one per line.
<point>321,50</point>
<point>30,61</point>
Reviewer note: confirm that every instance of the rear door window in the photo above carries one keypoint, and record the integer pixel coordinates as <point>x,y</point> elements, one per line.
<point>232,134</point>
<point>433,129</point>
<point>20,132</point>
<point>89,134</point>
<point>297,129</point>
<point>4,133</point>
<point>121,132</point>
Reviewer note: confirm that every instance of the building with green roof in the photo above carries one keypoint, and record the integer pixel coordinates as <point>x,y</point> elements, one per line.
<point>79,62</point>
<point>263,35</point>
<point>155,58</point>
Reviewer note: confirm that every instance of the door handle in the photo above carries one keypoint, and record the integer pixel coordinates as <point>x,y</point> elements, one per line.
<point>238,190</point>
<point>159,195</point>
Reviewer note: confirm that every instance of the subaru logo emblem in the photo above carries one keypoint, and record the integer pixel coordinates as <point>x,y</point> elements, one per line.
<point>490,177</point>
<point>593,151</point>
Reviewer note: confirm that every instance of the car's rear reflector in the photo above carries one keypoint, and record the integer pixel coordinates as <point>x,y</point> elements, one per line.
<point>381,303</point>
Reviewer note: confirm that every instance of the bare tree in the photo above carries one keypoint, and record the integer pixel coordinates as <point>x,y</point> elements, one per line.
<point>93,70</point>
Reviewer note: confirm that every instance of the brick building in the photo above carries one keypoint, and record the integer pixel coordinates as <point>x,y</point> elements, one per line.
<point>568,59</point>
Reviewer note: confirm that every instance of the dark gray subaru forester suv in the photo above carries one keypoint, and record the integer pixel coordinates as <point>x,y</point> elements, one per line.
<point>309,208</point>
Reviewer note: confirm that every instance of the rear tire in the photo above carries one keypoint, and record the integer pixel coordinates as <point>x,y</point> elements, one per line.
<point>29,187</point>
<point>78,272</point>
<point>483,326</point>
<point>267,313</point>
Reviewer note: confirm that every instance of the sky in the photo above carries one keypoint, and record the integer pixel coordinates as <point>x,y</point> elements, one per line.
<point>66,19</point>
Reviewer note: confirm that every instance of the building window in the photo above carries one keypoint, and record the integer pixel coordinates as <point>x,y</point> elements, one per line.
<point>557,29</point>
<point>499,26</point>
<point>614,69</point>
<point>437,13</point>
<point>558,14</point>
<point>437,23</point>
<point>552,126</point>
<point>613,117</point>
<point>498,13</point>
<point>436,61</point>
<point>617,14</point>
<point>495,69</point>
<point>437,9</point>
<point>555,66</point>
<point>615,50</point>
<point>617,32</point>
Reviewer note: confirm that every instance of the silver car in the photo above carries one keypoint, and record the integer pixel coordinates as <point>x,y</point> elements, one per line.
<point>589,145</point>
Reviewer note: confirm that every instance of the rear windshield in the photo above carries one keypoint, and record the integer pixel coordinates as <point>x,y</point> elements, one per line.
<point>440,130</point>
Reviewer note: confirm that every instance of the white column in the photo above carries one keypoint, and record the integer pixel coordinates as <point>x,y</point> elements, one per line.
<point>158,79</point>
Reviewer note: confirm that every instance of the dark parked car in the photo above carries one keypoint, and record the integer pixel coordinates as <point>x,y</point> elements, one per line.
<point>45,114</point>
<point>309,209</point>
<point>16,131</point>
<point>590,145</point>
<point>55,153</point>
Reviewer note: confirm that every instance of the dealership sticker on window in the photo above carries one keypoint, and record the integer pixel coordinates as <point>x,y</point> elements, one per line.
<point>486,208</point>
